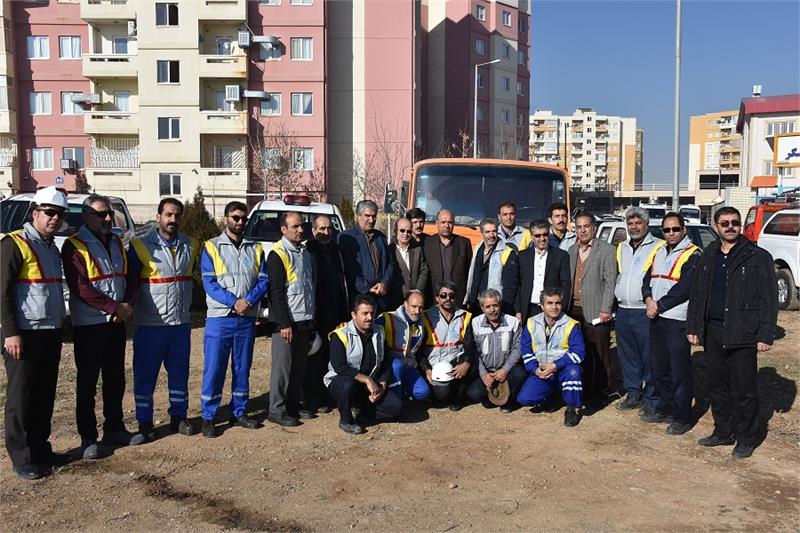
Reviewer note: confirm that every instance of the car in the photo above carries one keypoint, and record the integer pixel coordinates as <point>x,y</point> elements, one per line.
<point>758,215</point>
<point>781,238</point>
<point>691,213</point>
<point>263,223</point>
<point>654,210</point>
<point>614,232</point>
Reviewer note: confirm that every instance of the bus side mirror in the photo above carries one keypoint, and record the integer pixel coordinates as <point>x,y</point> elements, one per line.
<point>389,197</point>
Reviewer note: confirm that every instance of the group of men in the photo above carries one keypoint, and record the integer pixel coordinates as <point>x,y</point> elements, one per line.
<point>524,317</point>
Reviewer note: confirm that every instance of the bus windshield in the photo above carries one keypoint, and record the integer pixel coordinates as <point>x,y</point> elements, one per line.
<point>474,191</point>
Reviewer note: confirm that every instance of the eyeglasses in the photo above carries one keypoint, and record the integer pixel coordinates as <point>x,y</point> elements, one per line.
<point>732,223</point>
<point>52,212</point>
<point>446,295</point>
<point>673,229</point>
<point>403,231</point>
<point>103,214</point>
<point>540,235</point>
<point>237,218</point>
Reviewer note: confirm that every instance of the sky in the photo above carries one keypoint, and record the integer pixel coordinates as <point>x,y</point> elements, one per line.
<point>618,57</point>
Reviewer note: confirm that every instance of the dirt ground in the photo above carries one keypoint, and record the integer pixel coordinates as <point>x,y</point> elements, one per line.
<point>475,470</point>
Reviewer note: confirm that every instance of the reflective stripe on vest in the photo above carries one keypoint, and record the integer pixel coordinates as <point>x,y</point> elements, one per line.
<point>563,345</point>
<point>432,339</point>
<point>291,273</point>
<point>220,268</point>
<point>31,270</point>
<point>150,272</point>
<point>93,269</point>
<point>399,338</point>
<point>648,261</point>
<point>674,273</point>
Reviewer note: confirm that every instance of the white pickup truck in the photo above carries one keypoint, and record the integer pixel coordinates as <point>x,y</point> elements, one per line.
<point>781,238</point>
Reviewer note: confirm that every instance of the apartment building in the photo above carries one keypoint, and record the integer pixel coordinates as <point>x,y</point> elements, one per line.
<point>714,150</point>
<point>599,151</point>
<point>639,181</point>
<point>458,35</point>
<point>9,174</point>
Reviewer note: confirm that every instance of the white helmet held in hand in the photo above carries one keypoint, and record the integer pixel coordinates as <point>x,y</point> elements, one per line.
<point>50,196</point>
<point>316,344</point>
<point>442,372</point>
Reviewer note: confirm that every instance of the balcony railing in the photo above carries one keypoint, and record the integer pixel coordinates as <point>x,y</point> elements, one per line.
<point>223,66</point>
<point>222,9</point>
<point>107,10</point>
<point>8,121</point>
<point>111,122</point>
<point>223,122</point>
<point>7,157</point>
<point>110,66</point>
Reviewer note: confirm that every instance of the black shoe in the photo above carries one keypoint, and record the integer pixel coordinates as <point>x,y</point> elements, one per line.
<point>742,451</point>
<point>325,409</point>
<point>678,428</point>
<point>209,429</point>
<point>56,459</point>
<point>182,426</point>
<point>245,422</point>
<point>652,416</point>
<point>716,440</point>
<point>28,472</point>
<point>306,414</point>
<point>630,402</point>
<point>505,409</point>
<point>455,407</point>
<point>354,429</point>
<point>537,408</point>
<point>284,420</point>
<point>90,450</point>
<point>121,437</point>
<point>571,417</point>
<point>147,431</point>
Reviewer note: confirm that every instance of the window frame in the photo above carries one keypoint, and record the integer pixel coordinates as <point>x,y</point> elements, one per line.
<point>480,13</point>
<point>34,39</point>
<point>32,94</point>
<point>71,39</point>
<point>73,106</point>
<point>171,177</point>
<point>44,149</point>
<point>167,24</point>
<point>295,149</point>
<point>292,40</point>
<point>272,97</point>
<point>301,95</point>
<point>480,50</point>
<point>82,161</point>
<point>171,121</point>
<point>274,49</point>
<point>507,19</point>
<point>169,62</point>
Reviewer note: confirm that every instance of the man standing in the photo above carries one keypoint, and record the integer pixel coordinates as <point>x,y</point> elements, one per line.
<point>160,267</point>
<point>666,293</point>
<point>412,271</point>
<point>552,349</point>
<point>634,258</point>
<point>417,217</point>
<point>360,372</point>
<point>497,338</point>
<point>368,266</point>
<point>95,267</point>
<point>494,266</point>
<point>509,232</point>
<point>235,280</point>
<point>331,288</point>
<point>560,236</point>
<point>448,256</point>
<point>31,311</point>
<point>291,309</point>
<point>540,266</point>
<point>404,333</point>
<point>448,339</point>
<point>594,275</point>
<point>733,313</point>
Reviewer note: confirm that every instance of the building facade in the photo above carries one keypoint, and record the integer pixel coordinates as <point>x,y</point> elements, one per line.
<point>714,150</point>
<point>599,151</point>
<point>9,172</point>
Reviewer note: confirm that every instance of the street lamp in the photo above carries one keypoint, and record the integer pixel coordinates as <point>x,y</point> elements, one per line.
<point>475,109</point>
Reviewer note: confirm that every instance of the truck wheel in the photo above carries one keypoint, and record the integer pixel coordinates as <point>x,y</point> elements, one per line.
<point>787,290</point>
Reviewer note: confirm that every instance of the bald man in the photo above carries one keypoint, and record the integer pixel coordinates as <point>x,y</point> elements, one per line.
<point>448,256</point>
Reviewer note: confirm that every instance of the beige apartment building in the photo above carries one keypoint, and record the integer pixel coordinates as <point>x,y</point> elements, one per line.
<point>714,150</point>
<point>600,150</point>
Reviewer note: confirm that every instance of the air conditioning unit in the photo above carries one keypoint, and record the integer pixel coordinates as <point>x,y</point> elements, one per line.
<point>93,98</point>
<point>244,39</point>
<point>232,93</point>
<point>131,28</point>
<point>69,164</point>
<point>264,95</point>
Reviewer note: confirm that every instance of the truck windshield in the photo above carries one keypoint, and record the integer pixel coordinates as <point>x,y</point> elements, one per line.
<point>474,191</point>
<point>264,225</point>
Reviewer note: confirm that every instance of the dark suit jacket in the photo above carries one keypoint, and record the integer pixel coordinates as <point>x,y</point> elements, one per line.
<point>556,274</point>
<point>358,268</point>
<point>405,279</point>
<point>462,257</point>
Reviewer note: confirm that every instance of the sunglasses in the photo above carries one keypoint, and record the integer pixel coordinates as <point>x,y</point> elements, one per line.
<point>237,218</point>
<point>446,295</point>
<point>673,229</point>
<point>540,235</point>
<point>404,231</point>
<point>52,212</point>
<point>732,223</point>
<point>103,214</point>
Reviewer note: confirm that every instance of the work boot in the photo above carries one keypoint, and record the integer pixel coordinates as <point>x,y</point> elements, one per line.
<point>90,449</point>
<point>121,437</point>
<point>538,407</point>
<point>28,472</point>
<point>209,429</point>
<point>652,416</point>
<point>284,420</point>
<point>571,417</point>
<point>147,431</point>
<point>353,429</point>
<point>306,414</point>
<point>630,402</point>
<point>245,422</point>
<point>182,426</point>
<point>742,451</point>
<point>716,440</point>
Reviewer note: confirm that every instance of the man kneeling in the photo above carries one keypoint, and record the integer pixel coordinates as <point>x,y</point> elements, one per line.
<point>358,374</point>
<point>552,349</point>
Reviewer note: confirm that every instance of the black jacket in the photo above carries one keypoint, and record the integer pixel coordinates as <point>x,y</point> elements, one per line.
<point>751,301</point>
<point>331,285</point>
<point>462,257</point>
<point>556,275</point>
<point>415,276</point>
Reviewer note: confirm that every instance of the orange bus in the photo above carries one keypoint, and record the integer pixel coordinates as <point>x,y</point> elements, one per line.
<point>473,189</point>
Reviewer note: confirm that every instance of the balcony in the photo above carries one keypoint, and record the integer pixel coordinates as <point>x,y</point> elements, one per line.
<point>110,122</point>
<point>223,122</point>
<point>114,179</point>
<point>110,66</point>
<point>216,180</point>
<point>92,10</point>
<point>8,121</point>
<point>216,66</point>
<point>222,10</point>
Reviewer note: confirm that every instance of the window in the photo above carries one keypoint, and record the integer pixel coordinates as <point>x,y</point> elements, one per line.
<point>223,104</point>
<point>272,158</point>
<point>42,158</point>
<point>481,80</point>
<point>480,13</point>
<point>77,154</point>
<point>521,120</point>
<point>520,88</point>
<point>122,101</point>
<point>303,158</point>
<point>709,123</point>
<point>769,170</point>
<point>269,2</point>
<point>506,51</point>
<point>521,59</point>
<point>271,106</point>
<point>224,46</point>
<point>120,46</point>
<point>168,71</point>
<point>268,52</point>
<point>4,84</point>
<point>522,25</point>
<point>480,113</point>
<point>301,2</point>
<point>776,128</point>
<point>507,18</point>
<point>169,184</point>
<point>506,83</point>
<point>9,44</point>
<point>69,47</point>
<point>169,128</point>
<point>223,156</point>
<point>38,47</point>
<point>166,14</point>
<point>41,103</point>
<point>302,103</point>
<point>480,46</point>
<point>505,116</point>
<point>301,48</point>
<point>68,107</point>
<point>784,224</point>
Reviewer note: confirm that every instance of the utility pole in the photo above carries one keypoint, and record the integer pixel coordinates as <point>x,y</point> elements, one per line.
<point>677,134</point>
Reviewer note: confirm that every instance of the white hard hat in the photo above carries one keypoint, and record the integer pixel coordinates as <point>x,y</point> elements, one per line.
<point>316,344</point>
<point>442,372</point>
<point>50,196</point>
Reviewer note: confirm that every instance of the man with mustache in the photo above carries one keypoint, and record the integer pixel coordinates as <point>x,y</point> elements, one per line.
<point>733,313</point>
<point>100,304</point>
<point>560,236</point>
